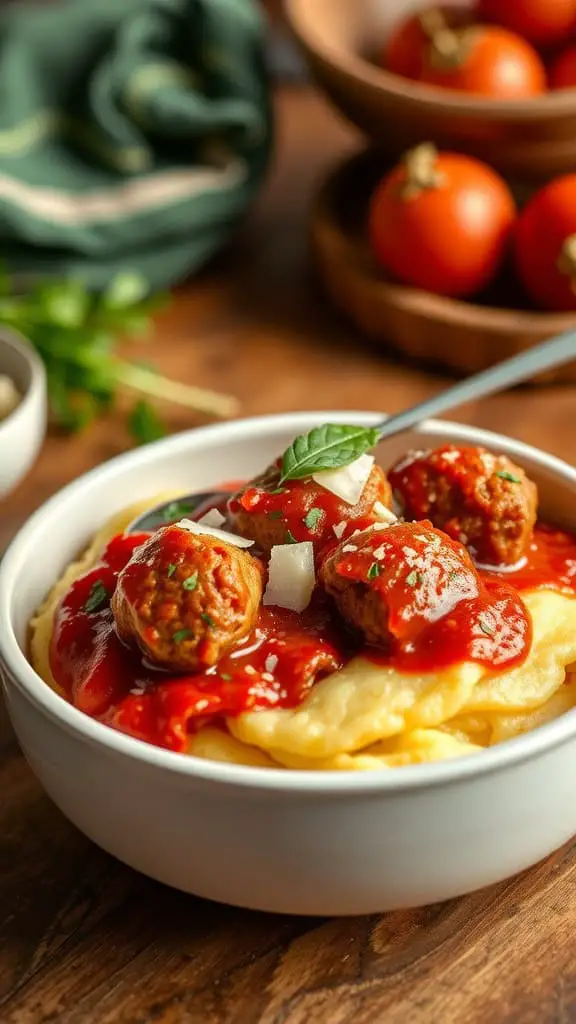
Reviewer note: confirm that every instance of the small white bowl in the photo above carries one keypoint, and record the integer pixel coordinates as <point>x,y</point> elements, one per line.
<point>295,842</point>
<point>23,431</point>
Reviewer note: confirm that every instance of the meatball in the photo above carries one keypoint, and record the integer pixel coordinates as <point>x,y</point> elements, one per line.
<point>303,510</point>
<point>480,499</point>
<point>392,583</point>
<point>186,599</point>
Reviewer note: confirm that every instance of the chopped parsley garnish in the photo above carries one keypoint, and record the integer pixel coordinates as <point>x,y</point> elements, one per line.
<point>289,537</point>
<point>312,518</point>
<point>414,577</point>
<point>190,582</point>
<point>485,627</point>
<point>209,622</point>
<point>177,510</point>
<point>97,598</point>
<point>374,571</point>
<point>275,514</point>
<point>182,634</point>
<point>171,570</point>
<point>505,475</point>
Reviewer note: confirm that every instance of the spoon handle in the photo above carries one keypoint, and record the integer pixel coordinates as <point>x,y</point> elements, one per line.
<point>519,368</point>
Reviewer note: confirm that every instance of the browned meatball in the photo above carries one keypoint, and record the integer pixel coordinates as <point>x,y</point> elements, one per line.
<point>186,599</point>
<point>483,500</point>
<point>303,510</point>
<point>391,584</point>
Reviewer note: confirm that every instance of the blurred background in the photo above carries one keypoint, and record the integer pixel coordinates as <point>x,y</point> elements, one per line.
<point>197,219</point>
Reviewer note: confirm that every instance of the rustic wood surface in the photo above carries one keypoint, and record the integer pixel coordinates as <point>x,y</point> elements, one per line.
<point>84,939</point>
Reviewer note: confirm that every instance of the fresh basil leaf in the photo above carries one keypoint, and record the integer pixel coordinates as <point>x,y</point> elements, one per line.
<point>327,447</point>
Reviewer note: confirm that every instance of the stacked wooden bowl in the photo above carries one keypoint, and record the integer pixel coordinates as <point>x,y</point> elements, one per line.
<point>528,141</point>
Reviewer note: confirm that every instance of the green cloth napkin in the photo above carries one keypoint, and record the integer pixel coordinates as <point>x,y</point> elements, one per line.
<point>133,133</point>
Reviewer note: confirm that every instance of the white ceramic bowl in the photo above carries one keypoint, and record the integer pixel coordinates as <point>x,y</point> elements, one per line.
<point>296,842</point>
<point>22,432</point>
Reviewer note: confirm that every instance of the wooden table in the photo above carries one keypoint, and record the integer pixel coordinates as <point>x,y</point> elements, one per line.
<point>84,939</point>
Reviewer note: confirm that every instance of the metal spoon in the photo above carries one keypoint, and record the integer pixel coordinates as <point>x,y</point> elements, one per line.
<point>512,371</point>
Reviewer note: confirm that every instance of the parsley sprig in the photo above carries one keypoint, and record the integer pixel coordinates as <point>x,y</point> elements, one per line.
<point>75,333</point>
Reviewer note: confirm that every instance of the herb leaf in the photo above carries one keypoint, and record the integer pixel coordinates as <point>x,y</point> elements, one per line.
<point>327,447</point>
<point>312,518</point>
<point>145,424</point>
<point>182,634</point>
<point>374,571</point>
<point>190,582</point>
<point>75,334</point>
<point>171,570</point>
<point>485,627</point>
<point>209,622</point>
<point>414,577</point>
<point>289,537</point>
<point>177,510</point>
<point>97,598</point>
<point>505,475</point>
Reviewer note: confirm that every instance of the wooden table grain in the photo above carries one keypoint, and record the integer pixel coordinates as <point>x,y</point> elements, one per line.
<point>85,940</point>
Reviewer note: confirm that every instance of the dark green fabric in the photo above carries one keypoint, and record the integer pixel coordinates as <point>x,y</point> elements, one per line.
<point>133,133</point>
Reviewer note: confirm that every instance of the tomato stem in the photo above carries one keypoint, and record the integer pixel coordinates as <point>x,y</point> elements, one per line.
<point>567,260</point>
<point>421,171</point>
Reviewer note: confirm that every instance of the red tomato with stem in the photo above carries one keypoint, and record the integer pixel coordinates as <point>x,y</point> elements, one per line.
<point>487,61</point>
<point>542,22</point>
<point>405,51</point>
<point>562,73</point>
<point>545,245</point>
<point>442,222</point>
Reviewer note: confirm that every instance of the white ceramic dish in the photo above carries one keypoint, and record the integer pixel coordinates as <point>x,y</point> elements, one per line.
<point>295,842</point>
<point>22,432</point>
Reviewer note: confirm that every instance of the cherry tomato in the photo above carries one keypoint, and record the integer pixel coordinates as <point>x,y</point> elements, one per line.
<point>442,222</point>
<point>542,22</point>
<point>406,48</point>
<point>562,73</point>
<point>545,245</point>
<point>489,61</point>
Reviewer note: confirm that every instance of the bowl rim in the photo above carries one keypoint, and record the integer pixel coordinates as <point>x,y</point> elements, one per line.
<point>12,339</point>
<point>559,102</point>
<point>20,674</point>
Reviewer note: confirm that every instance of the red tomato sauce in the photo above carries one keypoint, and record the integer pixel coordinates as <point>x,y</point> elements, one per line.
<point>307,513</point>
<point>441,613</point>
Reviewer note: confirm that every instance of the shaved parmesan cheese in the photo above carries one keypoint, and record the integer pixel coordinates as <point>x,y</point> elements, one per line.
<point>271,662</point>
<point>380,552</point>
<point>384,513</point>
<point>213,531</point>
<point>212,518</point>
<point>339,528</point>
<point>348,482</point>
<point>291,577</point>
<point>350,547</point>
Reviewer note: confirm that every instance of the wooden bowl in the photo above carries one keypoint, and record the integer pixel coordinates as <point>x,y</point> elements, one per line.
<point>464,336</point>
<point>534,139</point>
